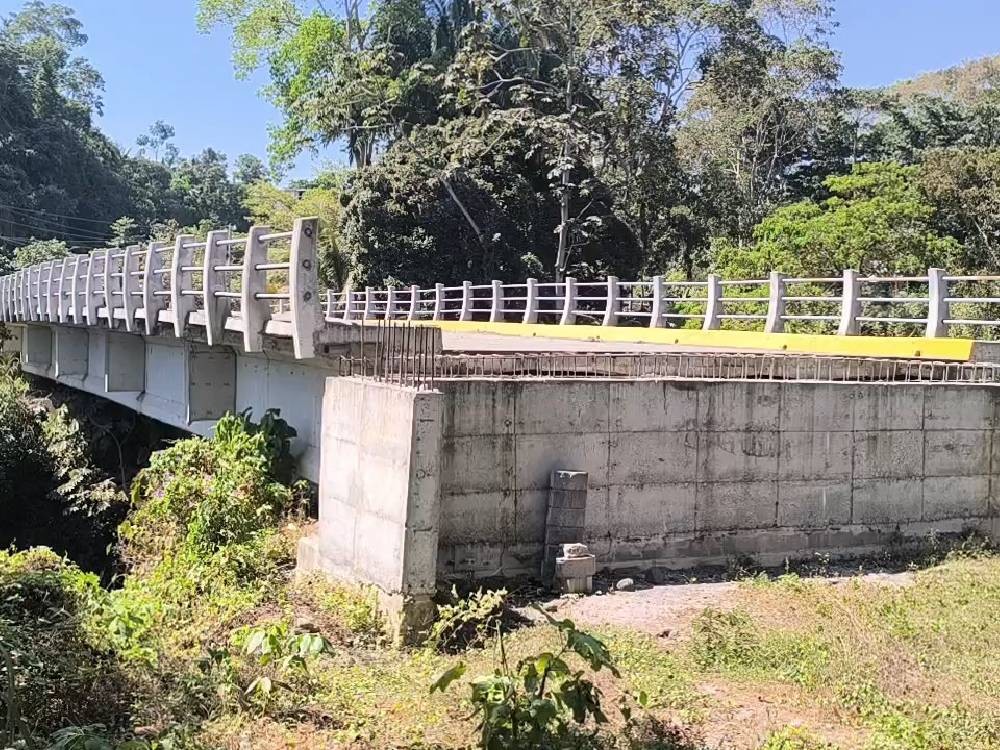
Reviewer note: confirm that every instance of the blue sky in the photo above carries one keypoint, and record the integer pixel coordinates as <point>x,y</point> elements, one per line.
<point>157,66</point>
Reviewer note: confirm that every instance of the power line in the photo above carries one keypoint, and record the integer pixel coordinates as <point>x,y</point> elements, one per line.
<point>58,216</point>
<point>78,234</point>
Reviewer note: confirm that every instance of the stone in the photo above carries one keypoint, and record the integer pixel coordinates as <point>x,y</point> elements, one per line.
<point>625,584</point>
<point>575,550</point>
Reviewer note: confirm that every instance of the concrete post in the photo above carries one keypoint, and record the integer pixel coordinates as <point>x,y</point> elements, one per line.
<point>73,311</point>
<point>390,302</point>
<point>497,302</point>
<point>366,310</point>
<point>151,302</point>
<point>656,319</point>
<point>466,313</point>
<point>775,322</point>
<point>50,303</point>
<point>569,302</point>
<point>92,293</point>
<point>181,281</point>
<point>63,298</point>
<point>850,307</point>
<point>565,519</point>
<point>713,303</point>
<point>611,304</point>
<point>414,302</point>
<point>213,281</point>
<point>438,301</point>
<point>303,287</point>
<point>937,309</point>
<point>254,312</point>
<point>531,301</point>
<point>131,285</point>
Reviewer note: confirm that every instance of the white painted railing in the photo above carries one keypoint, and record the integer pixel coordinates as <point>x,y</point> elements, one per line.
<point>263,284</point>
<point>936,304</point>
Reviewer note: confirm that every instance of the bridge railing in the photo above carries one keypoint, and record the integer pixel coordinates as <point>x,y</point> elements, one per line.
<point>261,284</point>
<point>935,304</point>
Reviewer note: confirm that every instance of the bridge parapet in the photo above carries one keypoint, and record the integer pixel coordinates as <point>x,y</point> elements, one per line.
<point>935,305</point>
<point>263,284</point>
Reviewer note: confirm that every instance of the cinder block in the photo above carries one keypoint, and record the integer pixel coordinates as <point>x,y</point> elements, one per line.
<point>567,498</point>
<point>653,457</point>
<point>729,506</point>
<point>815,455</point>
<point>817,407</point>
<point>654,406</point>
<point>563,480</point>
<point>576,567</point>
<point>956,497</point>
<point>814,504</point>
<point>952,452</point>
<point>569,517</point>
<point>738,456</point>
<point>888,453</point>
<point>887,501</point>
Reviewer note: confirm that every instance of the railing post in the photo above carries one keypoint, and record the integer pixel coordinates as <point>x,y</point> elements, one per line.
<point>348,303</point>
<point>466,313</point>
<point>73,310</point>
<point>34,280</point>
<point>656,319</point>
<point>713,303</point>
<point>212,282</point>
<point>937,309</point>
<point>254,312</point>
<point>92,300</point>
<point>62,311</point>
<point>611,304</point>
<point>151,302</point>
<point>390,302</point>
<point>775,322</point>
<point>414,302</point>
<point>496,304</point>
<point>109,280</point>
<point>850,307</point>
<point>131,285</point>
<point>438,301</point>
<point>531,301</point>
<point>50,306</point>
<point>181,281</point>
<point>366,309</point>
<point>569,302</point>
<point>22,294</point>
<point>303,287</point>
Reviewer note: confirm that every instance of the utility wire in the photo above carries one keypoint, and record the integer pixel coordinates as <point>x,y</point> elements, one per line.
<point>68,235</point>
<point>58,216</point>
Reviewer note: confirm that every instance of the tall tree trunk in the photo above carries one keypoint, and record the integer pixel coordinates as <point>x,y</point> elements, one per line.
<point>562,259</point>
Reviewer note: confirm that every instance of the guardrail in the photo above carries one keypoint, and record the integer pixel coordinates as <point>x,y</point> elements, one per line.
<point>936,305</point>
<point>264,283</point>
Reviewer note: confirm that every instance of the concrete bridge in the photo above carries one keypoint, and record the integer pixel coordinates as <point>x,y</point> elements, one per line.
<point>436,422</point>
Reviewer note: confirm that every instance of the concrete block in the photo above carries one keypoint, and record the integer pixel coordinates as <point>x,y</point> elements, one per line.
<point>737,456</point>
<point>538,455</point>
<point>958,407</point>
<point>956,497</point>
<point>567,499</point>
<point>577,406</point>
<point>654,406</point>
<point>895,406</point>
<point>479,407</point>
<point>477,463</point>
<point>954,452</point>
<point>815,455</point>
<point>568,481</point>
<point>887,501</point>
<point>567,517</point>
<point>725,506</point>
<point>739,406</point>
<point>817,407</point>
<point>576,567</point>
<point>888,453</point>
<point>653,457</point>
<point>814,504</point>
<point>379,552</point>
<point>643,510</point>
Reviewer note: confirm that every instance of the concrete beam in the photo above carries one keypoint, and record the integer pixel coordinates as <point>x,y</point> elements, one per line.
<point>125,364</point>
<point>71,348</point>
<point>211,382</point>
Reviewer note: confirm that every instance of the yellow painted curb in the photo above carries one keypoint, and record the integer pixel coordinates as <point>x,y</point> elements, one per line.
<point>954,350</point>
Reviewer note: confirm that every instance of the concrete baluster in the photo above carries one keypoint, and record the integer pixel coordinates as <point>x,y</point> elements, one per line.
<point>366,310</point>
<point>151,302</point>
<point>62,309</point>
<point>390,302</point>
<point>656,319</point>
<point>850,307</point>
<point>214,281</point>
<point>414,302</point>
<point>92,300</point>
<point>612,303</point>
<point>109,285</point>
<point>50,303</point>
<point>497,302</point>
<point>937,309</point>
<point>466,312</point>
<point>73,309</point>
<point>303,286</point>
<point>531,301</point>
<point>775,322</point>
<point>131,285</point>
<point>569,302</point>
<point>438,302</point>
<point>181,281</point>
<point>713,303</point>
<point>254,312</point>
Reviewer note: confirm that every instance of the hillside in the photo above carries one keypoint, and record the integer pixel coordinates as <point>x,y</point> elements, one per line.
<point>965,82</point>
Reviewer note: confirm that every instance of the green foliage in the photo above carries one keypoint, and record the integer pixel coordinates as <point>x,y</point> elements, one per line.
<point>525,705</point>
<point>349,611</point>
<point>39,252</point>
<point>467,621</point>
<point>794,738</point>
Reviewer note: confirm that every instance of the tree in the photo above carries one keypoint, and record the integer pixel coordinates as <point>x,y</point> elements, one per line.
<point>124,231</point>
<point>876,220</point>
<point>248,170</point>
<point>158,139</point>
<point>205,191</point>
<point>39,251</point>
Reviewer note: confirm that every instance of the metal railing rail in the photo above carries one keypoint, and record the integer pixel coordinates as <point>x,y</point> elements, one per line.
<point>263,284</point>
<point>936,305</point>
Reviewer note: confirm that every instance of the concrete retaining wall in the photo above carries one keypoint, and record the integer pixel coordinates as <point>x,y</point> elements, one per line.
<point>691,472</point>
